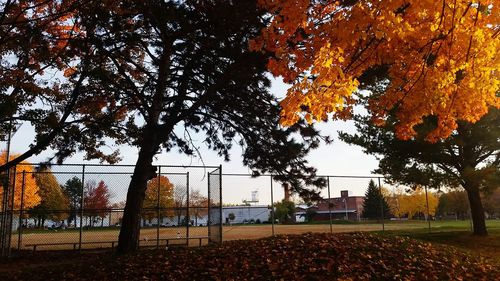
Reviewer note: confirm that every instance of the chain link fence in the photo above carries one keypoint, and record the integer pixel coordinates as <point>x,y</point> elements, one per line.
<point>255,207</point>
<point>77,207</point>
<point>81,206</point>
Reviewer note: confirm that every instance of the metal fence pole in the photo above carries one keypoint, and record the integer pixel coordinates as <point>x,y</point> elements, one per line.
<point>428,214</point>
<point>81,209</point>
<point>272,206</point>
<point>20,232</point>
<point>381,204</point>
<point>4,226</point>
<point>188,217</point>
<point>209,222</point>
<point>329,204</point>
<point>220,201</point>
<point>11,213</point>
<point>158,214</point>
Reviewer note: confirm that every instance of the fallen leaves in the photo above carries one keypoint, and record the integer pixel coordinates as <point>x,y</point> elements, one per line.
<point>356,256</point>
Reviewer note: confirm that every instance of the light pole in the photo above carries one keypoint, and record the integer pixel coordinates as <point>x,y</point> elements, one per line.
<point>345,207</point>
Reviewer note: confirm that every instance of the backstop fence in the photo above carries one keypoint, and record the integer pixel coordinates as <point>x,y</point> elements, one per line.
<point>81,206</point>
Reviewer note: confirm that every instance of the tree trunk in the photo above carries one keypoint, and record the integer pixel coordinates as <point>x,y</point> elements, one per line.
<point>128,239</point>
<point>477,211</point>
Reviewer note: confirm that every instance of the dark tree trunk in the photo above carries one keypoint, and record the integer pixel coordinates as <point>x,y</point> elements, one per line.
<point>477,211</point>
<point>128,239</point>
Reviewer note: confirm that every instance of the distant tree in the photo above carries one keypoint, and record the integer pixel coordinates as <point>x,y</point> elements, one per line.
<point>165,202</point>
<point>414,203</point>
<point>284,211</point>
<point>73,189</point>
<point>310,213</point>
<point>96,203</point>
<point>373,203</point>
<point>54,204</point>
<point>454,203</point>
<point>198,204</point>
<point>180,203</point>
<point>492,203</point>
<point>31,189</point>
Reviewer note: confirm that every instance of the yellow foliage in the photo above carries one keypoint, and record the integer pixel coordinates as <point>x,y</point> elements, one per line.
<point>166,201</point>
<point>413,203</point>
<point>442,55</point>
<point>31,196</point>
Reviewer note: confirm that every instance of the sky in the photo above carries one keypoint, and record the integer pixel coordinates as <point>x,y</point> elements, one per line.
<point>338,158</point>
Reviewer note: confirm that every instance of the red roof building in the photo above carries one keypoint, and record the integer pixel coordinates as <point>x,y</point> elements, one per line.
<point>339,208</point>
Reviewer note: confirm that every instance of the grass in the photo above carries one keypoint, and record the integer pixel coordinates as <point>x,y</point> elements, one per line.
<point>488,247</point>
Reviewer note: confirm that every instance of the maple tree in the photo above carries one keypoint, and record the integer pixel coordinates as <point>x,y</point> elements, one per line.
<point>441,58</point>
<point>31,190</point>
<point>96,202</point>
<point>164,202</point>
<point>414,203</point>
<point>54,204</point>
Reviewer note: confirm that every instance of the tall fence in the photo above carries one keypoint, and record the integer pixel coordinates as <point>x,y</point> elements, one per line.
<point>81,206</point>
<point>215,206</point>
<point>253,208</point>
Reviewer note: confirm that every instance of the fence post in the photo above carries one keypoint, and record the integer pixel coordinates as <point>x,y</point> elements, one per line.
<point>5,227</point>
<point>329,203</point>
<point>158,213</point>
<point>81,209</point>
<point>188,220</point>
<point>11,213</point>
<point>19,237</point>
<point>220,202</point>
<point>427,205</point>
<point>381,204</point>
<point>209,222</point>
<point>272,206</point>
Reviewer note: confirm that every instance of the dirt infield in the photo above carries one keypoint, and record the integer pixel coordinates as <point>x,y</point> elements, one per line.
<point>104,237</point>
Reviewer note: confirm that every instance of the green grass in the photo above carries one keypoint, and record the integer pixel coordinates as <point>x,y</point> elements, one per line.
<point>457,234</point>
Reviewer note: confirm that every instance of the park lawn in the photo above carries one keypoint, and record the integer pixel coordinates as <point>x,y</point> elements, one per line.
<point>488,247</point>
<point>310,256</point>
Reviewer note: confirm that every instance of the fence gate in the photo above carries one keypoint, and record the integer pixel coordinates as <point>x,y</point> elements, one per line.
<point>215,206</point>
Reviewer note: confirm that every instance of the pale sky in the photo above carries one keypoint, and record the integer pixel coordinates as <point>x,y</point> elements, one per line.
<point>337,158</point>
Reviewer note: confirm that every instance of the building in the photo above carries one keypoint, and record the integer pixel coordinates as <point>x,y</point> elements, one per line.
<point>340,208</point>
<point>246,214</point>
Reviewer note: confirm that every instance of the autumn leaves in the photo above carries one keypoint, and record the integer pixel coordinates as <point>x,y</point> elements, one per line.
<point>441,56</point>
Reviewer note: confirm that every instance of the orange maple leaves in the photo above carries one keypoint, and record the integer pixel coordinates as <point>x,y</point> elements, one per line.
<point>442,58</point>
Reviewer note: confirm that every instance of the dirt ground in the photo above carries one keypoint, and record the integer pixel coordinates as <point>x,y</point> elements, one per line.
<point>105,237</point>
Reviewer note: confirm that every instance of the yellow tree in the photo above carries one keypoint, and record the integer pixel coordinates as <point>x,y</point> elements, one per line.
<point>440,58</point>
<point>31,196</point>
<point>166,199</point>
<point>415,202</point>
<point>54,203</point>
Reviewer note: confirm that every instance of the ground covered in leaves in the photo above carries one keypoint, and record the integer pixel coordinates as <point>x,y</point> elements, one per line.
<point>357,256</point>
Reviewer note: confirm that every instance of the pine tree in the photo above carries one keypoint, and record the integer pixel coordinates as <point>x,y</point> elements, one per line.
<point>372,204</point>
